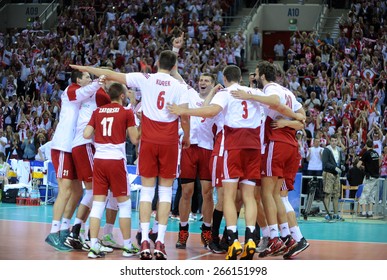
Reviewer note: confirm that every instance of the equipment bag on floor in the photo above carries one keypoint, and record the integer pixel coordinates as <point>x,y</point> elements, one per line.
<point>9,196</point>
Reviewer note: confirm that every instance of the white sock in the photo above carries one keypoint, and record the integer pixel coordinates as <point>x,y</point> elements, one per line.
<point>161,233</point>
<point>284,229</point>
<point>77,221</point>
<point>127,243</point>
<point>144,232</point>
<point>273,231</point>
<point>296,233</point>
<point>55,226</point>
<point>265,231</point>
<point>183,224</point>
<point>65,224</point>
<point>93,242</point>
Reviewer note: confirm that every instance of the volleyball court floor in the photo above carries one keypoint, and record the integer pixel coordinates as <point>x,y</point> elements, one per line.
<point>23,230</point>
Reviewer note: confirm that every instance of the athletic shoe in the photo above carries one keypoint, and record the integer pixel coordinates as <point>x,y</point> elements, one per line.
<point>53,239</point>
<point>262,245</point>
<point>152,235</point>
<point>338,218</point>
<point>182,239</point>
<point>223,244</point>
<point>206,237</point>
<point>175,217</point>
<point>73,242</point>
<point>145,253</point>
<point>192,217</point>
<point>96,252</point>
<point>159,251</point>
<point>86,246</point>
<point>369,215</point>
<point>129,252</point>
<point>234,250</point>
<point>301,246</point>
<point>105,249</point>
<point>289,242</point>
<point>249,250</point>
<point>108,241</point>
<point>215,247</point>
<point>63,234</point>
<point>275,244</point>
<point>328,217</point>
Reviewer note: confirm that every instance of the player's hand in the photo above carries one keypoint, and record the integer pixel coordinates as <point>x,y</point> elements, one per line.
<point>240,94</point>
<point>185,142</point>
<point>280,123</point>
<point>216,88</point>
<point>300,117</point>
<point>102,80</point>
<point>178,42</point>
<point>175,109</point>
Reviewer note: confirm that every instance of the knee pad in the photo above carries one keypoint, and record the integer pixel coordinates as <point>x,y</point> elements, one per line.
<point>125,209</point>
<point>112,202</point>
<point>87,199</point>
<point>165,194</point>
<point>248,182</point>
<point>147,194</point>
<point>97,209</point>
<point>287,204</point>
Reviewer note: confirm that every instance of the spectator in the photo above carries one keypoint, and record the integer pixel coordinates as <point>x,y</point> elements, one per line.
<point>279,50</point>
<point>28,146</point>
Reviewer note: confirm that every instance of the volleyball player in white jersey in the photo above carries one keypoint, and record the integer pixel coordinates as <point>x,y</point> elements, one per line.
<point>158,151</point>
<point>242,156</point>
<point>194,163</point>
<point>111,124</point>
<point>70,189</point>
<point>280,152</point>
<point>83,154</point>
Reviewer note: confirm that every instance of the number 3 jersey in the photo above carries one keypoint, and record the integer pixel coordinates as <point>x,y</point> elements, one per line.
<point>242,119</point>
<point>159,126</point>
<point>110,123</point>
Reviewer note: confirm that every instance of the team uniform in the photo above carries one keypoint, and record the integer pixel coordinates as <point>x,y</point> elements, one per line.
<point>61,145</point>
<point>194,160</point>
<point>110,123</point>
<point>242,125</point>
<point>158,151</point>
<point>216,160</point>
<point>281,145</point>
<point>83,149</point>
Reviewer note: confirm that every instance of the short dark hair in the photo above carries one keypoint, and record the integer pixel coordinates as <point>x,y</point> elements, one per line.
<point>369,143</point>
<point>232,73</point>
<point>167,60</point>
<point>76,74</point>
<point>212,76</point>
<point>334,136</point>
<point>268,69</point>
<point>115,90</point>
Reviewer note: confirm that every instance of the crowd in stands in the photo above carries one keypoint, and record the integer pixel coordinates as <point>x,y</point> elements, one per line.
<point>342,82</point>
<point>124,35</point>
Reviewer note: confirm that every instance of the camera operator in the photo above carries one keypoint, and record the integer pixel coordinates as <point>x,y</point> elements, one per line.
<point>332,160</point>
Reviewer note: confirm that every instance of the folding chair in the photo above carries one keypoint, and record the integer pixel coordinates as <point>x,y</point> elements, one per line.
<point>347,198</point>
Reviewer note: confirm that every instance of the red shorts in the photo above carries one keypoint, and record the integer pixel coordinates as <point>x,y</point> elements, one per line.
<point>280,160</point>
<point>83,159</point>
<point>157,160</point>
<point>291,175</point>
<point>242,164</point>
<point>194,162</point>
<point>216,169</point>
<point>63,164</point>
<point>110,174</point>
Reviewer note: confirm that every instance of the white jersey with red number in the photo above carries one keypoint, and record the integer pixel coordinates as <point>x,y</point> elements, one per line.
<point>110,123</point>
<point>98,99</point>
<point>242,119</point>
<point>159,126</point>
<point>287,98</point>
<point>71,100</point>
<point>201,132</point>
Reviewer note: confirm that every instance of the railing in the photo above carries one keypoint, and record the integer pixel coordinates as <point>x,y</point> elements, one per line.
<point>50,9</point>
<point>318,23</point>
